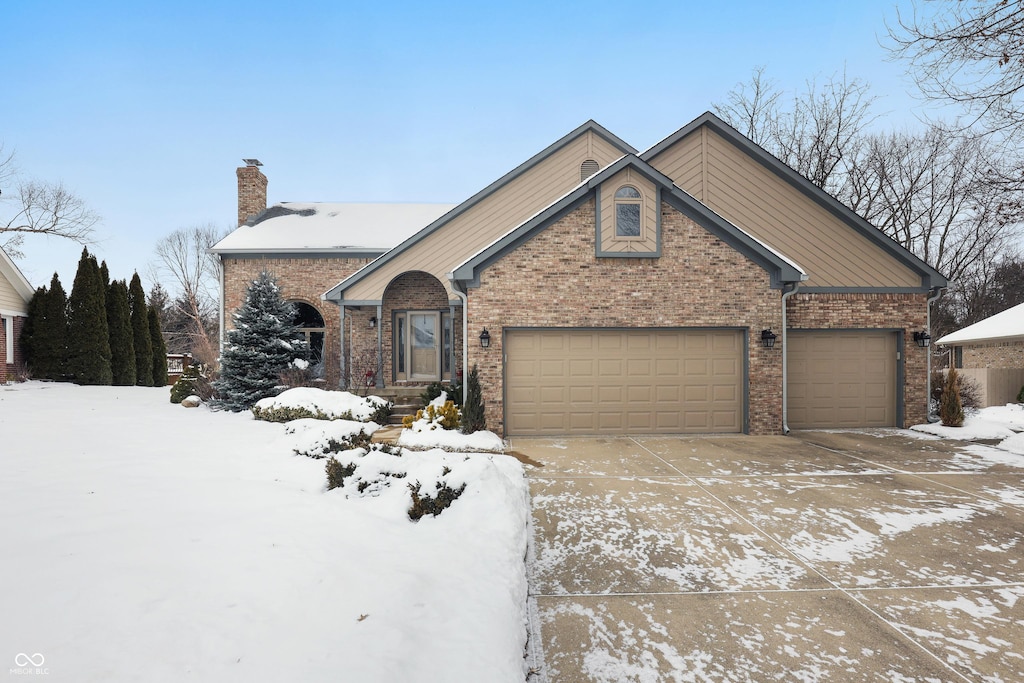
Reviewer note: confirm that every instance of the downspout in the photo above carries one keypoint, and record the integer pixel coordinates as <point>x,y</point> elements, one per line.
<point>379,384</point>
<point>788,290</point>
<point>220,310</point>
<point>465,334</point>
<point>935,294</point>
<point>343,379</point>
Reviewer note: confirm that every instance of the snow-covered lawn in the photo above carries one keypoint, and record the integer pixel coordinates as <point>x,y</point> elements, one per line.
<point>995,422</point>
<point>144,541</point>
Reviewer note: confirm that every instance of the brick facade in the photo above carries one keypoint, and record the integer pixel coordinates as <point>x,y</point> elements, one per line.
<point>300,279</point>
<point>907,312</point>
<point>994,354</point>
<point>555,280</point>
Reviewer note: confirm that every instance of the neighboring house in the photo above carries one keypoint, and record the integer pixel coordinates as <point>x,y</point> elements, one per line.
<point>605,291</point>
<point>991,352</point>
<point>15,293</point>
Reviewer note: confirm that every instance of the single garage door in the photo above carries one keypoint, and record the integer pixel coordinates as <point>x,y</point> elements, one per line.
<point>842,379</point>
<point>587,381</point>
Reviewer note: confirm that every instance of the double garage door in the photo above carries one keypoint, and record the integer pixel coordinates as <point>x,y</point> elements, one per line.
<point>587,381</point>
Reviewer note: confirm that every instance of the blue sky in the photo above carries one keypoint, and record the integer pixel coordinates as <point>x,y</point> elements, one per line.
<point>146,111</point>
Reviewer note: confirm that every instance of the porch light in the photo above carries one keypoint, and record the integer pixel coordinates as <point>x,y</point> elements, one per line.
<point>485,338</point>
<point>768,338</point>
<point>923,339</point>
<point>373,322</point>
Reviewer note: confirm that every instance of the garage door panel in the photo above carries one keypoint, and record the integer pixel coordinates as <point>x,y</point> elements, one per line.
<point>842,378</point>
<point>625,381</point>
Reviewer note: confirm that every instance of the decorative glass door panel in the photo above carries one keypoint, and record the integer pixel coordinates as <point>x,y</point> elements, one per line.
<point>424,349</point>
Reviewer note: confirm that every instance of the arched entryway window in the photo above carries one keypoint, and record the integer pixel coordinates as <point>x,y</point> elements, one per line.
<point>311,323</point>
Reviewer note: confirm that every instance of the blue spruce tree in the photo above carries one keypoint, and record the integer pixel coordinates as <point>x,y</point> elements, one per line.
<point>262,345</point>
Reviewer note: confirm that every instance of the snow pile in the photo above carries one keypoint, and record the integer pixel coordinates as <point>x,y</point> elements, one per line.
<point>329,404</point>
<point>173,544</point>
<point>987,423</point>
<point>314,438</point>
<point>451,440</point>
<point>427,433</point>
<point>994,422</point>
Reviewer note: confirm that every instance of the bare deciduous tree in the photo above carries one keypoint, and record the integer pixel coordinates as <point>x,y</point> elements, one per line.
<point>935,193</point>
<point>40,208</point>
<point>191,272</point>
<point>968,52</point>
<point>815,135</point>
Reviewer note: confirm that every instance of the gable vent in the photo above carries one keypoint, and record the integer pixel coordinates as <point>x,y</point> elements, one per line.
<point>588,168</point>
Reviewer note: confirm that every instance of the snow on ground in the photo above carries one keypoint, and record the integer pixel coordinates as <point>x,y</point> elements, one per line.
<point>994,422</point>
<point>426,433</point>
<point>145,541</point>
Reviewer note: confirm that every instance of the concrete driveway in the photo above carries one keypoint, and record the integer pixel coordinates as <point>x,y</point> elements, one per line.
<point>822,556</point>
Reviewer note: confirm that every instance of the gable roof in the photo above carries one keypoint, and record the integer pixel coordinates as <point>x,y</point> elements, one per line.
<point>591,126</point>
<point>781,268</point>
<point>342,228</point>
<point>1008,324</point>
<point>930,277</point>
<point>10,272</point>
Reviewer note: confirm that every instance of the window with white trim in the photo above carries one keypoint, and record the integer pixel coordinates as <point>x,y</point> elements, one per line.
<point>8,325</point>
<point>628,213</point>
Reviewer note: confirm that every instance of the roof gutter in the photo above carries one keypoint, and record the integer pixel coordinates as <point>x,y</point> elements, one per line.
<point>788,290</point>
<point>934,294</point>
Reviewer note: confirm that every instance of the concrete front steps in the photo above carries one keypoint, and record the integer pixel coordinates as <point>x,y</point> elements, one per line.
<point>406,400</point>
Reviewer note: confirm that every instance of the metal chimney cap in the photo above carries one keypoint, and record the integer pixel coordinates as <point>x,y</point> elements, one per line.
<point>252,162</point>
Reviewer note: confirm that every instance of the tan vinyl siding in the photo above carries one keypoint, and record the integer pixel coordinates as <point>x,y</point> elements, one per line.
<point>10,300</point>
<point>752,197</point>
<point>491,218</point>
<point>647,243</point>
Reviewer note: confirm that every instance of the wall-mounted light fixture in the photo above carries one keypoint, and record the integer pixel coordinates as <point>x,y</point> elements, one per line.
<point>373,322</point>
<point>923,339</point>
<point>768,338</point>
<point>485,338</point>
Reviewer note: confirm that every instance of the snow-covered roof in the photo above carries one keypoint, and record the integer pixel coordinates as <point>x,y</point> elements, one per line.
<point>1009,323</point>
<point>333,227</point>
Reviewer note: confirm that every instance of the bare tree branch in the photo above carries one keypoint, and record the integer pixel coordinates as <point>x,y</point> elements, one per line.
<point>971,53</point>
<point>40,208</point>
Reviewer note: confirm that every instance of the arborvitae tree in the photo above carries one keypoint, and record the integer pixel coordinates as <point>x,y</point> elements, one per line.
<point>262,345</point>
<point>122,345</point>
<point>951,409</point>
<point>104,275</point>
<point>159,349</point>
<point>473,409</point>
<point>28,330</point>
<point>140,333</point>
<point>50,334</point>
<point>89,354</point>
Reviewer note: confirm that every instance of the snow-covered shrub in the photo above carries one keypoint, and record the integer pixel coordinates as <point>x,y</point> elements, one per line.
<point>308,402</point>
<point>186,385</point>
<point>320,438</point>
<point>425,504</point>
<point>338,472</point>
<point>436,415</point>
<point>433,390</point>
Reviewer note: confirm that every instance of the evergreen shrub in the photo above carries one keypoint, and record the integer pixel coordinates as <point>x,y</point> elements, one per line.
<point>951,410</point>
<point>425,504</point>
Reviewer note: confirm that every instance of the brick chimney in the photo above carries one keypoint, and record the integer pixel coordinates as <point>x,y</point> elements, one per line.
<point>252,190</point>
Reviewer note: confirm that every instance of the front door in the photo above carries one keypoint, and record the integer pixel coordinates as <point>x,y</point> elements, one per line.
<point>424,350</point>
